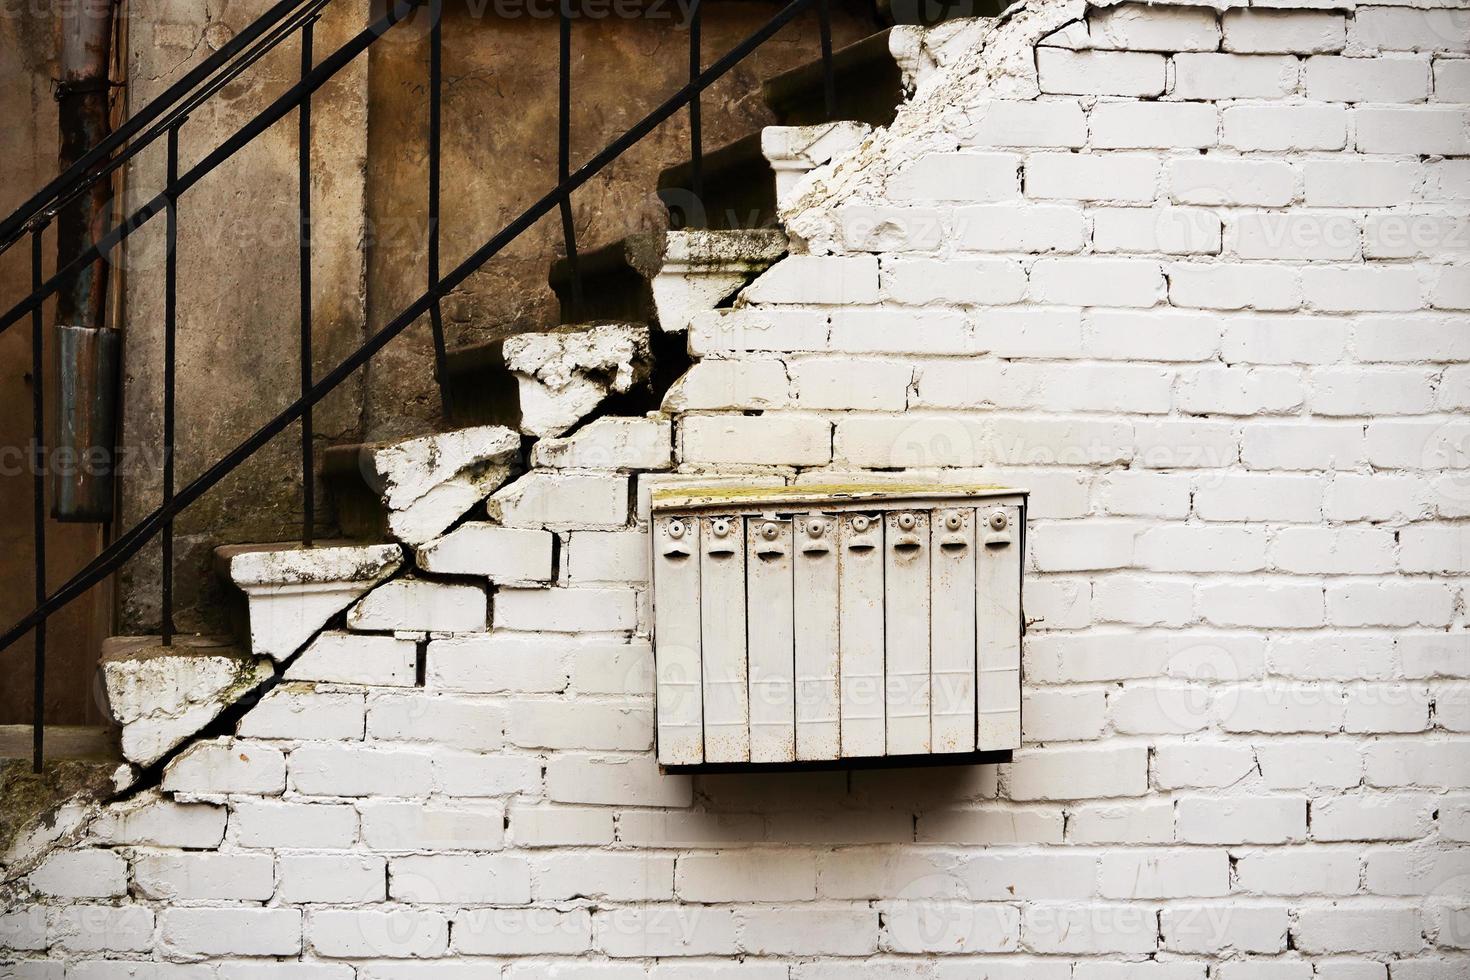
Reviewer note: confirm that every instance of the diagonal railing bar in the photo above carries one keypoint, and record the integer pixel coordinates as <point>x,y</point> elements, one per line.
<point>129,543</point>
<point>289,100</point>
<point>38,206</point>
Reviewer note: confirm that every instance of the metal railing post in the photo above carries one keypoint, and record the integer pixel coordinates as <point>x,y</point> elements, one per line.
<point>696,217</point>
<point>436,99</point>
<point>829,82</point>
<point>564,144</point>
<point>303,149</point>
<point>38,514</point>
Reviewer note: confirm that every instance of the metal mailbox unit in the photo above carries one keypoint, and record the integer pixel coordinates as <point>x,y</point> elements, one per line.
<point>810,627</point>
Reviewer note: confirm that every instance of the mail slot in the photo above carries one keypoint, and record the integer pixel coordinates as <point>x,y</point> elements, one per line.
<point>800,628</point>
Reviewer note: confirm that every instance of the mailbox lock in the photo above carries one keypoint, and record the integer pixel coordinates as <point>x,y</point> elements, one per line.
<point>998,520</point>
<point>676,529</point>
<point>953,521</point>
<point>815,527</point>
<point>721,527</point>
<point>906,521</point>
<point>860,523</point>
<point>770,531</point>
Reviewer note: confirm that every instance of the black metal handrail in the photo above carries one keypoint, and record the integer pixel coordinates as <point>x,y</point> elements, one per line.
<point>167,115</point>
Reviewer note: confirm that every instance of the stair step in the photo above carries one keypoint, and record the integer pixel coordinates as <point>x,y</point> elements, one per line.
<point>739,189</point>
<point>868,83</point>
<point>62,742</point>
<point>615,281</point>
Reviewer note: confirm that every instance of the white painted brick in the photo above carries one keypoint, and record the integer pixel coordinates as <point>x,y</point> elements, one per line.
<point>1096,282</point>
<point>1407,236</point>
<point>990,826</point>
<point>1028,227</point>
<point>1210,929</point>
<point>1143,601</point>
<point>388,826</point>
<point>1172,231</point>
<point>1154,125</point>
<point>1302,446</point>
<point>1134,73</point>
<point>1413,445</point>
<point>1452,80</point>
<point>1024,124</point>
<point>23,928</point>
<point>81,928</point>
<point>501,554</point>
<point>1074,545</point>
<point>884,331</point>
<point>666,931</point>
<point>335,878</point>
<point>1293,31</point>
<point>609,443</point>
<point>888,872</point>
<point>1145,494</point>
<point>1408,129</point>
<point>420,606</point>
<point>1371,391</point>
<point>1092,177</point>
<point>1185,444</point>
<point>385,932</point>
<point>1362,288</point>
<point>1417,763</point>
<point>1434,654</point>
<point>1351,181</point>
<point>959,177</point>
<point>741,876</point>
<point>1329,551</point>
<point>90,873</point>
<point>951,928</point>
<point>1077,773</point>
<point>438,719</point>
<point>1435,548</point>
<point>1235,286</point>
<point>1281,605</point>
<point>1389,28</point>
<point>688,828</point>
<point>1088,930</point>
<point>768,439</point>
<point>448,879</point>
<point>342,770</point>
<point>1252,820</point>
<point>1233,76</point>
<point>1088,387</point>
<point>349,659</point>
<point>298,711</point>
<point>566,610</point>
<point>1266,970</point>
<point>580,725</point>
<point>747,383</point>
<point>1284,340</point>
<point>1150,708</point>
<point>1368,817</point>
<point>192,876</point>
<point>1215,180</point>
<point>826,932</point>
<point>1379,497</point>
<point>523,932</point>
<point>1359,930</point>
<point>1143,970</point>
<point>558,500</point>
<point>632,780</point>
<point>1201,764</point>
<point>883,228</point>
<point>835,280</point>
<point>1403,871</point>
<point>1059,603</point>
<point>849,384</point>
<point>557,826</point>
<point>1131,823</point>
<point>474,775</point>
<point>1387,79</point>
<point>1063,716</point>
<point>609,667</point>
<point>1332,656</point>
<point>1239,391</point>
<point>498,662</point>
<point>1297,871</point>
<point>1145,27</point>
<point>1451,290</point>
<point>226,766</point>
<point>1301,236</point>
<point>919,281</point>
<point>608,556</point>
<point>1029,333</point>
<point>266,823</point>
<point>1393,603</point>
<point>231,931</point>
<point>157,822</point>
<point>1335,764</point>
<point>1201,548</point>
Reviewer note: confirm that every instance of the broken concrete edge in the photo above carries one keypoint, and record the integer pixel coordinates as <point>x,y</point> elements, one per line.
<point>40,812</point>
<point>564,375</point>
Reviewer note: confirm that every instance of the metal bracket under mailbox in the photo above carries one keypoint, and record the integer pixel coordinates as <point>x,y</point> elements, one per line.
<point>802,628</point>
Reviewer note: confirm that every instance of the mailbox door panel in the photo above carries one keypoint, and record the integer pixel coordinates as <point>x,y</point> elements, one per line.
<point>722,625</point>
<point>906,620</point>
<point>676,620</point>
<point>952,633</point>
<point>770,626</point>
<point>860,632</point>
<point>818,732</point>
<point>998,627</point>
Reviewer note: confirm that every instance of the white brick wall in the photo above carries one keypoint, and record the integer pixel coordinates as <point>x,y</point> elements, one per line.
<point>1197,281</point>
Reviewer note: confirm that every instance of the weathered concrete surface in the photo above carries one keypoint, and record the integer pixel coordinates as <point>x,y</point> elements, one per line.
<point>162,695</point>
<point>563,375</point>
<point>28,145</point>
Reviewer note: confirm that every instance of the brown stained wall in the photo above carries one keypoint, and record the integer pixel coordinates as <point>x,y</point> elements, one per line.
<point>28,147</point>
<point>238,273</point>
